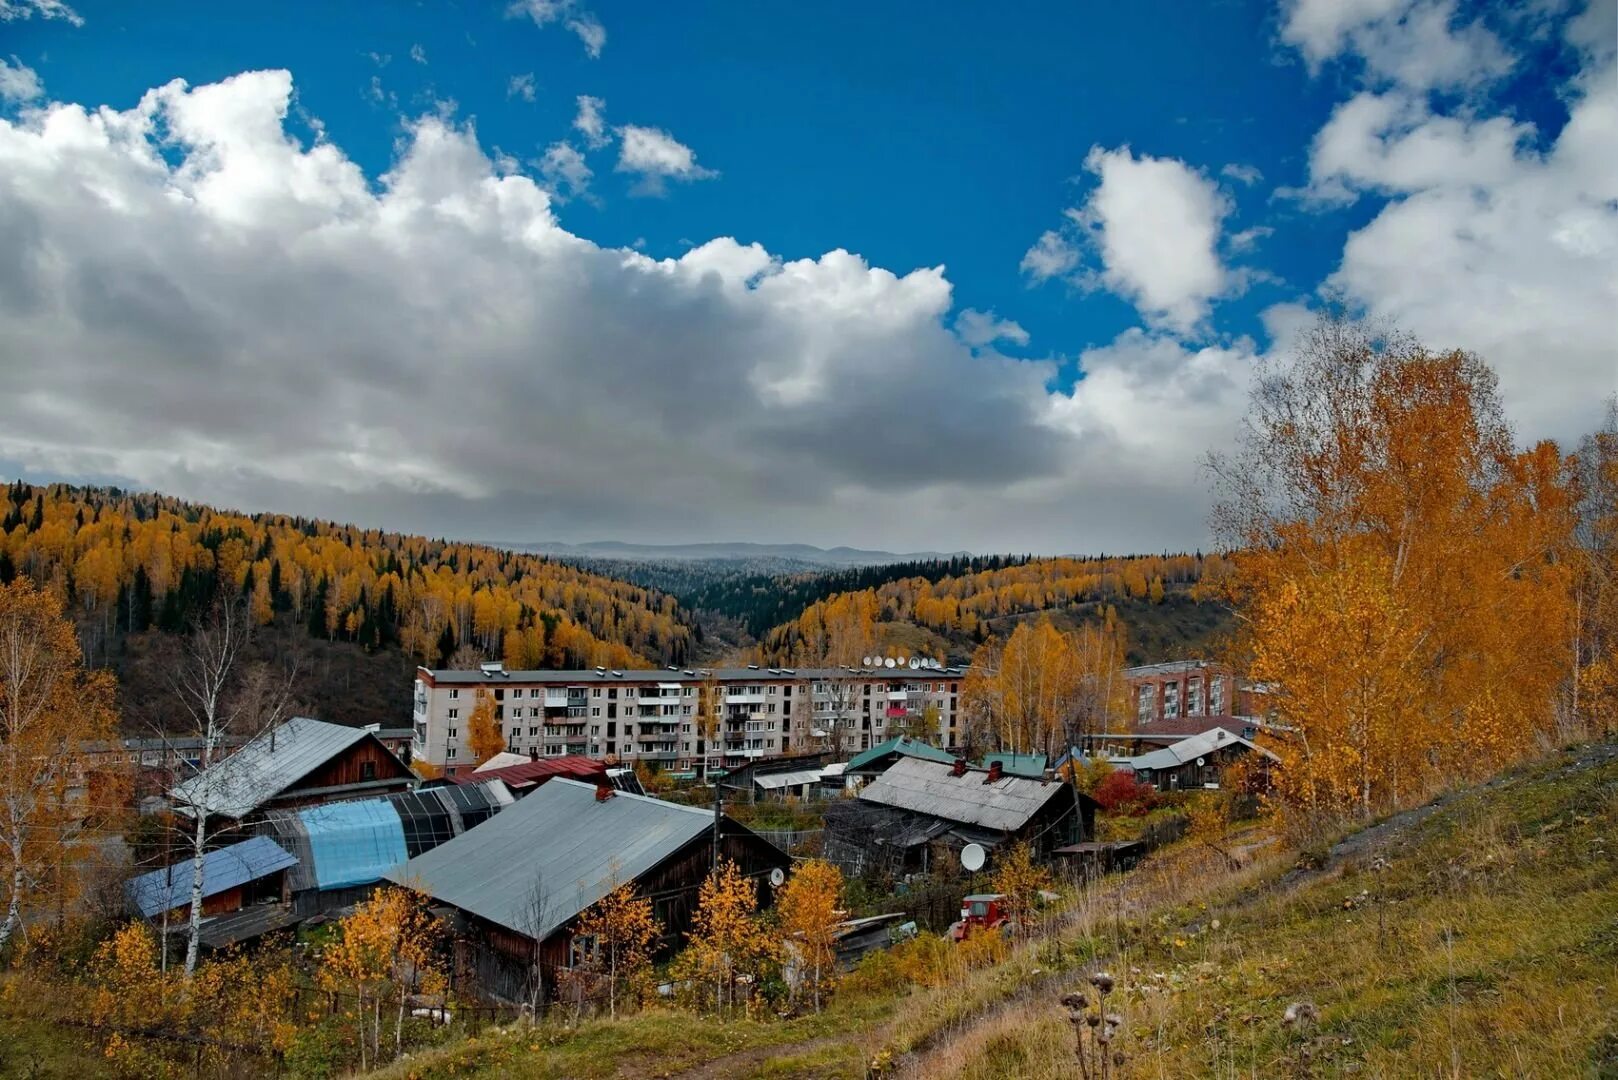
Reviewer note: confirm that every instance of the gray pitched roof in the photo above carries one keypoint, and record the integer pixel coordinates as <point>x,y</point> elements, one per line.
<point>161,890</point>
<point>930,787</point>
<point>1189,749</point>
<point>561,835</point>
<point>267,766</point>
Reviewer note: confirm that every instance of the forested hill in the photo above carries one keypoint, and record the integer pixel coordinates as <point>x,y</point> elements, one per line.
<point>129,563</point>
<point>754,595</point>
<point>1154,594</point>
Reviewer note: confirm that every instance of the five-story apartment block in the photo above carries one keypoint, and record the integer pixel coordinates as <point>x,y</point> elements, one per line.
<point>658,716</point>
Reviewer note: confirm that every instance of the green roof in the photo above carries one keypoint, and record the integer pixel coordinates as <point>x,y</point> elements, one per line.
<point>901,745</point>
<point>1022,764</point>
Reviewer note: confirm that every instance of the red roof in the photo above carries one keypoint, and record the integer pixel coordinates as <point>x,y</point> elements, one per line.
<point>533,773</point>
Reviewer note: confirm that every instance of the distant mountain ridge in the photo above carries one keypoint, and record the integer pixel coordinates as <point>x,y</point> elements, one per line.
<point>618,549</point>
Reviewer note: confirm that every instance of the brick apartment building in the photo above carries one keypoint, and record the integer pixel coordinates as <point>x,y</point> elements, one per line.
<point>1189,689</point>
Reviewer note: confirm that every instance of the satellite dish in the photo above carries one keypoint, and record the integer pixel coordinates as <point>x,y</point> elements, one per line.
<point>888,662</point>
<point>1201,762</point>
<point>972,857</point>
<point>915,664</point>
<point>865,661</point>
<point>778,877</point>
<point>900,658</point>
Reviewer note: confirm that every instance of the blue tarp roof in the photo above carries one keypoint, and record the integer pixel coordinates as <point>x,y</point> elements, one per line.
<point>161,890</point>
<point>354,842</point>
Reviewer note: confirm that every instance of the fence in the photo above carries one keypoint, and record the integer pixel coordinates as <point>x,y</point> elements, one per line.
<point>792,841</point>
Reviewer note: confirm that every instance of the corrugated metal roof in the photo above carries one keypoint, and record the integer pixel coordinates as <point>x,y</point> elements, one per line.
<point>532,771</point>
<point>161,890</point>
<point>578,848</point>
<point>267,766</point>
<point>1177,754</point>
<point>902,745</point>
<point>1021,764</point>
<point>930,787</point>
<point>771,781</point>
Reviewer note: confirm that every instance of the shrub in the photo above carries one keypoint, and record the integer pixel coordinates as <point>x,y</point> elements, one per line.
<point>1120,793</point>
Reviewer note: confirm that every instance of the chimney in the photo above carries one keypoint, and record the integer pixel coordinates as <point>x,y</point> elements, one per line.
<point>994,772</point>
<point>603,787</point>
<point>533,753</point>
<point>960,767</point>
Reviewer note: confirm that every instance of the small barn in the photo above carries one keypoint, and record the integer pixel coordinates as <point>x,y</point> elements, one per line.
<point>920,812</point>
<point>796,775</point>
<point>519,882</point>
<point>302,762</point>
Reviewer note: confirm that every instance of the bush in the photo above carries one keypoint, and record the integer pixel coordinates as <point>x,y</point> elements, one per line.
<point>1120,793</point>
<point>876,975</point>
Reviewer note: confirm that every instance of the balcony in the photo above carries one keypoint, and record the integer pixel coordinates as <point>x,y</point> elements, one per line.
<point>744,699</point>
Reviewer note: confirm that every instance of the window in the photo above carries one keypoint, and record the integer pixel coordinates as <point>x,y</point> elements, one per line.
<point>454,694</point>
<point>1144,702</point>
<point>454,714</point>
<point>450,732</point>
<point>1193,697</point>
<point>595,710</point>
<point>1216,696</point>
<point>1171,700</point>
<point>367,770</point>
<point>595,691</point>
<point>450,752</point>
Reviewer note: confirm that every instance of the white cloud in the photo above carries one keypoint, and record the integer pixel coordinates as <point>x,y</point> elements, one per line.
<point>1051,256</point>
<point>980,328</point>
<point>1242,174</point>
<point>379,95</point>
<point>11,10</point>
<point>381,60</point>
<point>583,24</point>
<point>1247,239</point>
<point>565,173</point>
<point>418,54</point>
<point>591,123</point>
<point>205,306</point>
<point>1489,245</point>
<point>19,82</point>
<point>656,156</point>
<point>1418,44</point>
<point>521,86</point>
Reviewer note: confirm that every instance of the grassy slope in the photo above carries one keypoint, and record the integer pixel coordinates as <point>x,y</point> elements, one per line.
<point>1486,944</point>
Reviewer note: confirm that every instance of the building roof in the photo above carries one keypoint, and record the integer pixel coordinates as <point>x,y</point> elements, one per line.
<point>267,766</point>
<point>684,676</point>
<point>1021,764</point>
<point>1170,667</point>
<point>771,781</point>
<point>535,771</point>
<point>930,787</point>
<point>502,760</point>
<point>901,745</point>
<point>223,869</point>
<point>1176,754</point>
<point>561,837</point>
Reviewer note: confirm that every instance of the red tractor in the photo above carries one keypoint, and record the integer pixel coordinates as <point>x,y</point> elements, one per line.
<point>980,911</point>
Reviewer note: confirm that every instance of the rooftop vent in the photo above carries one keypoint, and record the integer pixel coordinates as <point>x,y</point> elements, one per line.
<point>617,674</point>
<point>994,773</point>
<point>959,768</point>
<point>492,667</point>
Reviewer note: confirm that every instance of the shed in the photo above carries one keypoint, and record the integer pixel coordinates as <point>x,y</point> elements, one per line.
<point>1194,762</point>
<point>881,757</point>
<point>299,763</point>
<point>232,878</point>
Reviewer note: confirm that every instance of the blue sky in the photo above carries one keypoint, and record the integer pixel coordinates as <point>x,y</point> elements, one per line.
<point>1208,174</point>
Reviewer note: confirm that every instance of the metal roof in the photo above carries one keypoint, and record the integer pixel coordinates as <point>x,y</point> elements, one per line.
<point>1177,754</point>
<point>931,787</point>
<point>1021,764</point>
<point>532,771</point>
<point>696,675</point>
<point>267,766</point>
<point>1169,667</point>
<point>561,837</point>
<point>771,781</point>
<point>162,890</point>
<point>902,745</point>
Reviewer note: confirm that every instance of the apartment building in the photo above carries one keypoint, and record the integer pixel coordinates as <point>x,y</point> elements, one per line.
<point>1189,689</point>
<point>655,716</point>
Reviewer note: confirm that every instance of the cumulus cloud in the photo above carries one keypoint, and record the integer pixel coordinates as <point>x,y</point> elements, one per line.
<point>1489,244</point>
<point>565,172</point>
<point>591,121</point>
<point>1247,239</point>
<point>1154,225</point>
<point>197,302</point>
<point>418,54</point>
<point>1418,44</point>
<point>1242,174</point>
<point>521,86</point>
<point>11,10</point>
<point>583,24</point>
<point>656,156</point>
<point>980,328</point>
<point>19,82</point>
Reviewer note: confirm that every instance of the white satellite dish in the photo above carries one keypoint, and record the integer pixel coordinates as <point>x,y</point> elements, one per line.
<point>888,662</point>
<point>972,857</point>
<point>778,877</point>
<point>915,664</point>
<point>901,658</point>
<point>865,661</point>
